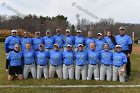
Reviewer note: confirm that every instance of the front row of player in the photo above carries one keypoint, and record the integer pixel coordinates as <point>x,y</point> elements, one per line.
<point>91,64</point>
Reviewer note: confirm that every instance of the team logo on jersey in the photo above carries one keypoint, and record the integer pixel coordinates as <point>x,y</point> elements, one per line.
<point>14,41</point>
<point>106,56</point>
<point>109,41</point>
<point>28,55</point>
<point>36,42</point>
<point>58,39</point>
<point>89,41</point>
<point>68,40</point>
<point>80,40</point>
<point>117,59</point>
<point>100,45</point>
<point>122,41</point>
<point>92,56</point>
<point>41,56</point>
<point>16,57</point>
<point>48,42</point>
<point>69,56</point>
<point>56,57</point>
<point>80,57</point>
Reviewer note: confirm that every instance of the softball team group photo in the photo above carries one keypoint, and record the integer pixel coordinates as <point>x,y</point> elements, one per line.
<point>106,57</point>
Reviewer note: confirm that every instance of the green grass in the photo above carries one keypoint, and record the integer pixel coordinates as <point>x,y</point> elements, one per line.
<point>72,90</point>
<point>135,59</point>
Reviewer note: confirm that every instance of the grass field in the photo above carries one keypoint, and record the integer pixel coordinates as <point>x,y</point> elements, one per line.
<point>135,58</point>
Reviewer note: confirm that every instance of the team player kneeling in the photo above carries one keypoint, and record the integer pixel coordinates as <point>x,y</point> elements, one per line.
<point>45,56</point>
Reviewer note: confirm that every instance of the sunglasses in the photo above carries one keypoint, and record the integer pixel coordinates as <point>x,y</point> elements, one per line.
<point>108,33</point>
<point>56,46</point>
<point>16,47</point>
<point>122,29</point>
<point>118,47</point>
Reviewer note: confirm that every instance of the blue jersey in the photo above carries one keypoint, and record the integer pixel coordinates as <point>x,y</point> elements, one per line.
<point>59,39</point>
<point>124,41</point>
<point>49,41</point>
<point>109,41</point>
<point>56,57</point>
<point>119,59</point>
<point>106,57</point>
<point>42,57</point>
<point>79,40</point>
<point>15,58</point>
<point>88,41</point>
<point>68,40</point>
<point>24,41</point>
<point>93,56</point>
<point>28,56</point>
<point>10,42</point>
<point>99,44</point>
<point>37,42</point>
<point>81,57</point>
<point>68,57</point>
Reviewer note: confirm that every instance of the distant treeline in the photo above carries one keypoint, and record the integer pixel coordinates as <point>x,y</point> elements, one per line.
<point>34,23</point>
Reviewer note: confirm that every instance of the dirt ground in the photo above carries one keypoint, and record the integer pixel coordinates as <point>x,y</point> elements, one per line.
<point>136,50</point>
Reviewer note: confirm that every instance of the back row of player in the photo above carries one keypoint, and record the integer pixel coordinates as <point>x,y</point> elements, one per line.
<point>122,39</point>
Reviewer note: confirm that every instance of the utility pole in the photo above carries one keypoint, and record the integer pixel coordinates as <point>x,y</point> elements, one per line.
<point>78,20</point>
<point>133,37</point>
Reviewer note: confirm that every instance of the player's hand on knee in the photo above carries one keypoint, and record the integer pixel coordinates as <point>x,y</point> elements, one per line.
<point>128,55</point>
<point>7,70</point>
<point>121,72</point>
<point>6,54</point>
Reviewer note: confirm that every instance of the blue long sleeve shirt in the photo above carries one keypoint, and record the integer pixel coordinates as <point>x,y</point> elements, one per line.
<point>56,57</point>
<point>10,42</point>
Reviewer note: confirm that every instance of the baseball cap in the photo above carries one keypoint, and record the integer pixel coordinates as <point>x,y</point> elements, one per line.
<point>55,45</point>
<point>99,34</point>
<point>58,29</point>
<point>80,45</point>
<point>13,31</point>
<point>118,46</point>
<point>78,31</point>
<point>122,28</point>
<point>37,32</point>
<point>48,30</point>
<point>67,30</point>
<point>41,45</point>
<point>69,45</point>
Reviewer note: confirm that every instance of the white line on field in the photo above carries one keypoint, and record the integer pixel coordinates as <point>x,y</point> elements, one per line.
<point>69,86</point>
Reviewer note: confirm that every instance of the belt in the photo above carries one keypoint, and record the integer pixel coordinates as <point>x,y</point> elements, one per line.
<point>93,64</point>
<point>41,65</point>
<point>60,47</point>
<point>68,64</point>
<point>106,64</point>
<point>55,65</point>
<point>29,64</point>
<point>48,48</point>
<point>81,65</point>
<point>117,66</point>
<point>11,49</point>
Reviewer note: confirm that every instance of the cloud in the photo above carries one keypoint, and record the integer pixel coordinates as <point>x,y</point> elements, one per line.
<point>120,10</point>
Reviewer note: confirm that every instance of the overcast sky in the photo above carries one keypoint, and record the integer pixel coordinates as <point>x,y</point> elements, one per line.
<point>126,11</point>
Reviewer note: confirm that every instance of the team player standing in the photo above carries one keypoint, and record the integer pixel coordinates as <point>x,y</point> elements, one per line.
<point>69,56</point>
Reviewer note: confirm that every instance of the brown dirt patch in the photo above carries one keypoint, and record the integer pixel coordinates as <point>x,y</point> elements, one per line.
<point>136,50</point>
